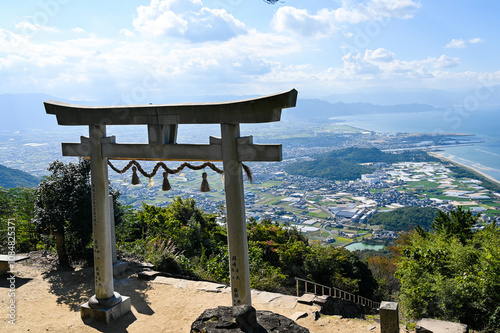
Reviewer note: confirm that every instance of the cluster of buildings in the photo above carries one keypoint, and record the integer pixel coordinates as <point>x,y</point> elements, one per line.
<point>311,204</point>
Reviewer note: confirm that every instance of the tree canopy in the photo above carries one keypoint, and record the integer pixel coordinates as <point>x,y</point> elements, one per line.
<point>405,218</point>
<point>452,272</point>
<point>184,240</point>
<point>63,209</point>
<point>344,164</point>
<point>16,204</point>
<point>10,178</point>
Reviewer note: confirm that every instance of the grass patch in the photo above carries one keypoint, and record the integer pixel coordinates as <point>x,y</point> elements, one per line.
<point>320,215</point>
<point>445,197</point>
<point>271,200</point>
<point>340,241</point>
<point>271,183</point>
<point>422,184</point>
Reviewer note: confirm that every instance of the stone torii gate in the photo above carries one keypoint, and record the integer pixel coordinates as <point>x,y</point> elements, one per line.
<point>162,123</point>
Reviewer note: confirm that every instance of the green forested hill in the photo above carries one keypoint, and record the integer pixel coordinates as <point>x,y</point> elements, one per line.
<point>405,218</point>
<point>10,178</point>
<point>343,164</point>
<point>373,155</point>
<point>330,168</point>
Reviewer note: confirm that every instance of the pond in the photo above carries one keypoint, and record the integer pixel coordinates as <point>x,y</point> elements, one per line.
<point>361,246</point>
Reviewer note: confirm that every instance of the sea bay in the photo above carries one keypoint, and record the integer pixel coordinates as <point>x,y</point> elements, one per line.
<point>483,154</point>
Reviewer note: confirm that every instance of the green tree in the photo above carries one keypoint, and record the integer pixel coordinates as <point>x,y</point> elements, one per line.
<point>190,229</point>
<point>276,254</point>
<point>452,273</point>
<point>63,209</point>
<point>290,252</point>
<point>17,204</point>
<point>457,223</point>
<point>405,218</point>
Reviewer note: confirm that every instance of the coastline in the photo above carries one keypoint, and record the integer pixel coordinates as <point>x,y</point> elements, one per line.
<point>475,170</point>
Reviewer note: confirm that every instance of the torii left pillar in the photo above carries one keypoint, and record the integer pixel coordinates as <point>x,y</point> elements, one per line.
<point>106,305</point>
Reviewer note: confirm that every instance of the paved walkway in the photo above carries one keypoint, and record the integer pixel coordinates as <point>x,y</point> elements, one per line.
<point>258,297</point>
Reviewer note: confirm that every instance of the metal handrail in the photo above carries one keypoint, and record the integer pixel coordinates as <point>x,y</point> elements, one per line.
<point>337,293</point>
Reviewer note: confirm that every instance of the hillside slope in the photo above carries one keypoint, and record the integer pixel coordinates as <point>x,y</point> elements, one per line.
<point>10,178</point>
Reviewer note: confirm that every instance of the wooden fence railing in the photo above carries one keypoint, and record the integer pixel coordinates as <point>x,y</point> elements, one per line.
<point>319,289</point>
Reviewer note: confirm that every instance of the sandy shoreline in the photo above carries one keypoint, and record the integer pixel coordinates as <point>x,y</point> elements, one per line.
<point>451,160</point>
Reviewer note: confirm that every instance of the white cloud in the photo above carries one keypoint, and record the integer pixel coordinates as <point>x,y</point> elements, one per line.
<point>461,43</point>
<point>28,28</point>
<point>127,33</point>
<point>476,40</point>
<point>301,22</point>
<point>254,63</point>
<point>456,44</point>
<point>327,21</point>
<point>187,19</point>
<point>445,62</point>
<point>382,64</point>
<point>379,55</point>
<point>403,9</point>
<point>78,30</point>
<point>96,68</point>
<point>231,60</point>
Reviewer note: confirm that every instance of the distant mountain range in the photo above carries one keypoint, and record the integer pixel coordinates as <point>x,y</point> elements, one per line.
<point>485,96</point>
<point>22,111</point>
<point>319,110</point>
<point>10,178</point>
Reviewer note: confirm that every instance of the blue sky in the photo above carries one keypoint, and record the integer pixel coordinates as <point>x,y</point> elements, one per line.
<point>131,52</point>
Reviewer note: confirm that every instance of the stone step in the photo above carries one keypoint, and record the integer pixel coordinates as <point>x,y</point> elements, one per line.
<point>439,326</point>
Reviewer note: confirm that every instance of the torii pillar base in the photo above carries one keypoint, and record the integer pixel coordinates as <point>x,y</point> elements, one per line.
<point>106,315</point>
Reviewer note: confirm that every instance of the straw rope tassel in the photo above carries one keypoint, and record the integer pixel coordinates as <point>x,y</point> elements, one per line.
<point>166,185</point>
<point>204,183</point>
<point>135,177</point>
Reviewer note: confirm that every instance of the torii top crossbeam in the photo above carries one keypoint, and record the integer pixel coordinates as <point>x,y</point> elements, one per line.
<point>255,110</point>
<point>163,120</point>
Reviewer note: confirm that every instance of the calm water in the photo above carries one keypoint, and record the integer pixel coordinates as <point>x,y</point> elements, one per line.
<point>361,246</point>
<point>483,124</point>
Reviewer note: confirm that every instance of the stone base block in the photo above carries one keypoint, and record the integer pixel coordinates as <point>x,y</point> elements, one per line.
<point>106,315</point>
<point>119,267</point>
<point>389,317</point>
<point>5,261</point>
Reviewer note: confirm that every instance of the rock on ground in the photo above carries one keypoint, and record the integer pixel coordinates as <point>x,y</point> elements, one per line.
<point>338,306</point>
<point>244,319</point>
<point>439,326</point>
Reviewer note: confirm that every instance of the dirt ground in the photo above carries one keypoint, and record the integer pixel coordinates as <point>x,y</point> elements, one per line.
<point>49,300</point>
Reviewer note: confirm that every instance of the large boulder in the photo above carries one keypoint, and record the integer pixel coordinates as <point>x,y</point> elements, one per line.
<point>243,319</point>
<point>340,307</point>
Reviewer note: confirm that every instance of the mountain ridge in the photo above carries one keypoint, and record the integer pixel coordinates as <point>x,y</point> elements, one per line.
<point>23,111</point>
<point>10,178</point>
